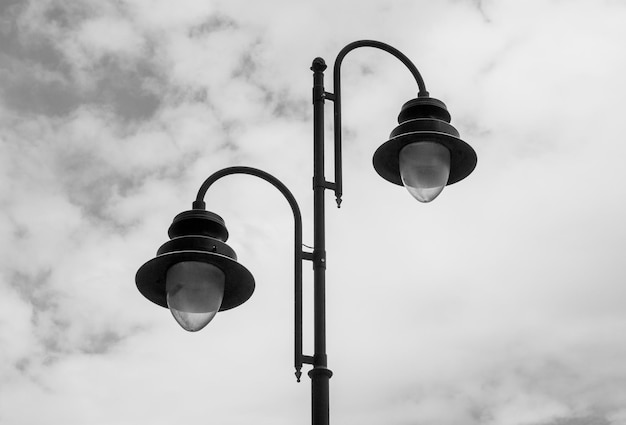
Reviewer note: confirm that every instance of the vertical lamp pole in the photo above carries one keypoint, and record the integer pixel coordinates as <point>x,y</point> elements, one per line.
<point>320,374</point>
<point>196,274</point>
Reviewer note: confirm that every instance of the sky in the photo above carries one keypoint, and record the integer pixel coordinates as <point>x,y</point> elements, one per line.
<point>501,302</point>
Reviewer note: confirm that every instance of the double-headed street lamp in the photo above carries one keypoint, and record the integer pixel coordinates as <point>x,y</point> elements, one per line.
<point>196,274</point>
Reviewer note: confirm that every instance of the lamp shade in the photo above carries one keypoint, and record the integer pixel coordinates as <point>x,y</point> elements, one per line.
<point>415,155</point>
<point>195,274</point>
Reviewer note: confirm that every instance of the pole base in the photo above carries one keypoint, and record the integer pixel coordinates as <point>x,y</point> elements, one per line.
<point>320,395</point>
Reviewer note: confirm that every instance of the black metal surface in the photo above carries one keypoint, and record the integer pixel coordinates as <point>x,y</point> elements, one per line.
<point>197,243</point>
<point>196,235</point>
<point>238,287</point>
<point>319,381</point>
<point>319,222</point>
<point>198,222</point>
<point>424,107</point>
<point>424,120</point>
<point>320,395</point>
<point>462,156</point>
<point>424,125</point>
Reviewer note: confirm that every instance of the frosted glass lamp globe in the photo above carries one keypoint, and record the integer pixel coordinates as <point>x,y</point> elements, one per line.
<point>194,293</point>
<point>424,169</point>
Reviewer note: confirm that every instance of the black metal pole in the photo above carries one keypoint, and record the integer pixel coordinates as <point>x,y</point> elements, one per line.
<point>320,374</point>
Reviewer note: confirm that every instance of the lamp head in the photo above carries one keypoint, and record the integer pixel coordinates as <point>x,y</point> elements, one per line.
<point>424,152</point>
<point>195,274</point>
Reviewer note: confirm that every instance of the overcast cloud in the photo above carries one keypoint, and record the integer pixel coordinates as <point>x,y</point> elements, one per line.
<point>502,302</point>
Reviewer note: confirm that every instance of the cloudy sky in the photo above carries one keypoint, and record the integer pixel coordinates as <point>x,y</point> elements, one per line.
<point>502,302</point>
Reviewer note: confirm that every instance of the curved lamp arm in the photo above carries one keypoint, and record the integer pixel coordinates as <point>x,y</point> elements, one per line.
<point>298,254</point>
<point>336,97</point>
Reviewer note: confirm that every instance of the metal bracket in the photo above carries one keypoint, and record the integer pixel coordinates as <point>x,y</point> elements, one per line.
<point>316,257</point>
<point>330,185</point>
<point>319,94</point>
<point>319,259</point>
<point>325,184</point>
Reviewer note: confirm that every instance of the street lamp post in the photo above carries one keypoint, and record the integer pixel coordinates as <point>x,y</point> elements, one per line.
<point>196,274</point>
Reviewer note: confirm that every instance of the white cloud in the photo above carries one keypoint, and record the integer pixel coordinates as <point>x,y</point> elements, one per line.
<point>121,39</point>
